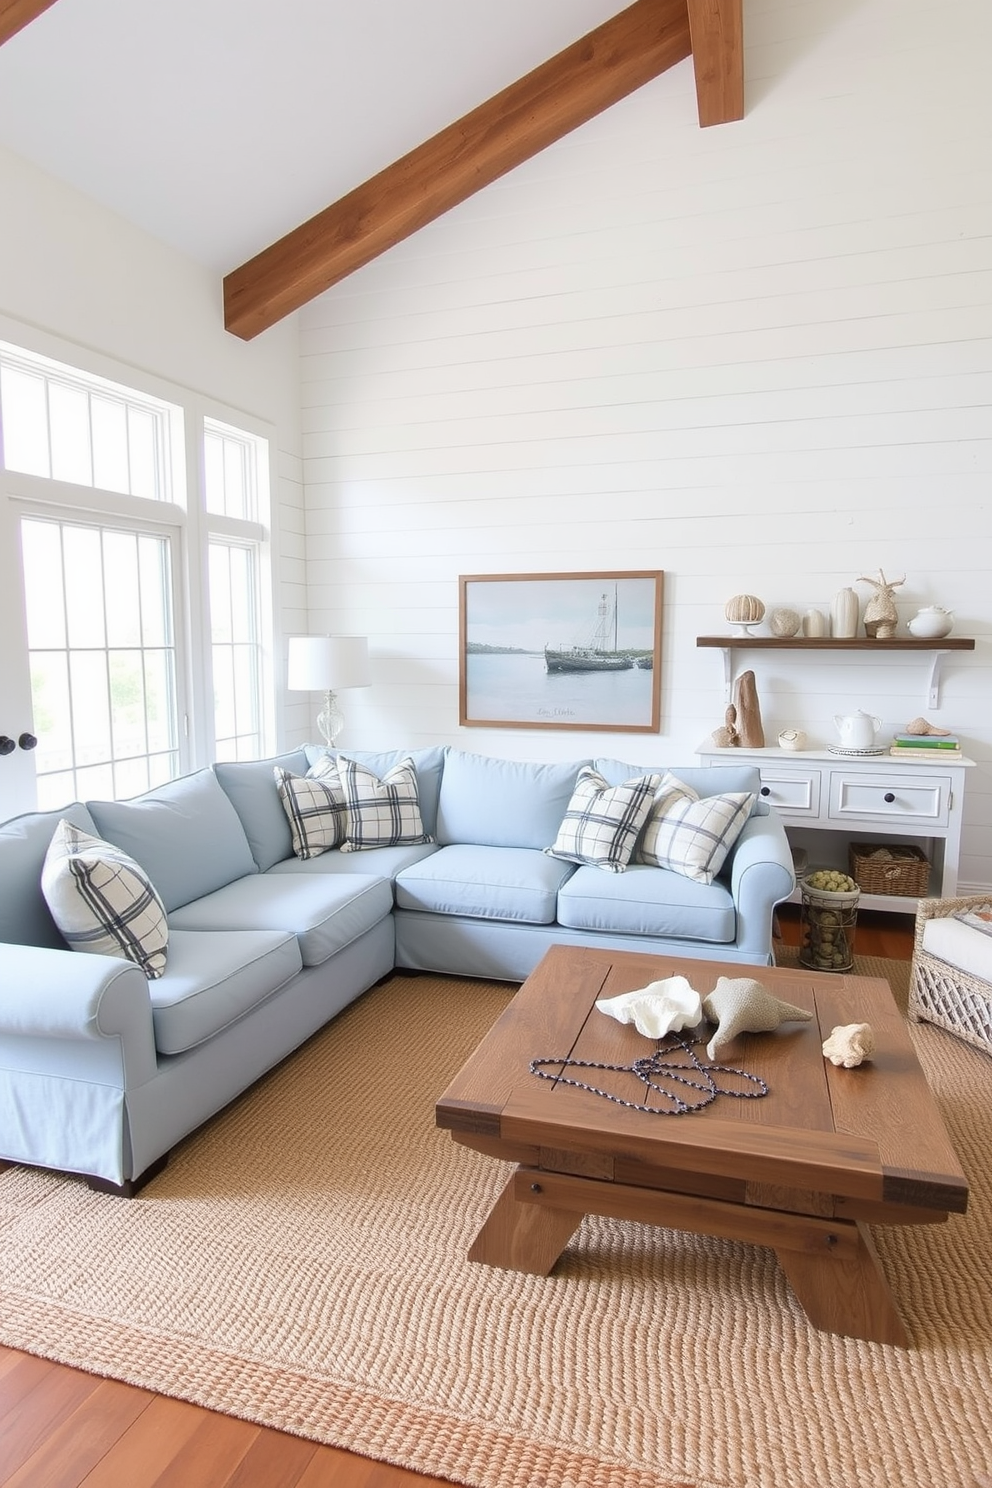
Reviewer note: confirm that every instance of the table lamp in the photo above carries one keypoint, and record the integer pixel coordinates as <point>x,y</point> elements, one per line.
<point>328,664</point>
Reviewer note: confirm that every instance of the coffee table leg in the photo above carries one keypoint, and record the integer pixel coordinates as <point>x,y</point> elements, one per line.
<point>849,1296</point>
<point>523,1237</point>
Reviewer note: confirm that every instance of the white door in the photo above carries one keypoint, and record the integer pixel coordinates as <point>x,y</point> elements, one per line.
<point>17,773</point>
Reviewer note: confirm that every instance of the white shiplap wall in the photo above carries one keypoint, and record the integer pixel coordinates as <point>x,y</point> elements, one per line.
<point>758,357</point>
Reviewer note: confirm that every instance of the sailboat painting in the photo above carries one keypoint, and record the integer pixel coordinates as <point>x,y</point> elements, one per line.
<point>562,651</point>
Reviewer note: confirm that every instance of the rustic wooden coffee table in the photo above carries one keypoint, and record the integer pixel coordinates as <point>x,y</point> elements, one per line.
<point>805,1170</point>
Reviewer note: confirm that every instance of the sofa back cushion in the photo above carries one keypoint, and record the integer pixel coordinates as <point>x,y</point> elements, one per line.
<point>186,835</point>
<point>705,780</point>
<point>428,764</point>
<point>25,918</point>
<point>251,786</point>
<point>503,803</point>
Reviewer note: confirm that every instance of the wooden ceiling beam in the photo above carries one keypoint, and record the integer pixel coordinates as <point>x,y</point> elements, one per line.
<point>16,14</point>
<point>717,31</point>
<point>604,66</point>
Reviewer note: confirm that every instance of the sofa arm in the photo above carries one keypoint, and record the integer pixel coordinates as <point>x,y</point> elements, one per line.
<point>66,995</point>
<point>761,876</point>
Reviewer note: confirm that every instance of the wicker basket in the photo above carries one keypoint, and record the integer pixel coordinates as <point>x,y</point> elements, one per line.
<point>879,868</point>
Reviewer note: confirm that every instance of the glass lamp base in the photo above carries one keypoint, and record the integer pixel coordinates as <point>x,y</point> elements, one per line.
<point>330,720</point>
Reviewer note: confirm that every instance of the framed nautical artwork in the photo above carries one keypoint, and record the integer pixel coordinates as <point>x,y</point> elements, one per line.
<point>560,651</point>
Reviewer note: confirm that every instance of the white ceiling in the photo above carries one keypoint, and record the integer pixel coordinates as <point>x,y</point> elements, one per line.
<point>219,125</point>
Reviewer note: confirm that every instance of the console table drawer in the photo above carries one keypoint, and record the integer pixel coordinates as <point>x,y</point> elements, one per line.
<point>923,800</point>
<point>792,792</point>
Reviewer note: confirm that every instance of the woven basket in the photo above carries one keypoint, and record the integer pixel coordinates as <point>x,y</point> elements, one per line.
<point>879,868</point>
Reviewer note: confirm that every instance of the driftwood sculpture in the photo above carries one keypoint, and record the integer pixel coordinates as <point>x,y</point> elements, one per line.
<point>727,736</point>
<point>881,616</point>
<point>752,735</point>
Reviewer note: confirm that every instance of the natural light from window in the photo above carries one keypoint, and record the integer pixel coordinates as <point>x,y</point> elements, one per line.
<point>103,659</point>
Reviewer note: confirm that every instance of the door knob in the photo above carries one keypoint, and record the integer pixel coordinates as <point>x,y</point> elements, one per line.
<point>27,741</point>
<point>7,746</point>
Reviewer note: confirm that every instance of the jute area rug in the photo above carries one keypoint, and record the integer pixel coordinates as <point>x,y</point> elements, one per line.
<point>301,1263</point>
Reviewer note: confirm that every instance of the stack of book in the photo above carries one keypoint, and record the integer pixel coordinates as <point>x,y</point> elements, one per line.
<point>926,746</point>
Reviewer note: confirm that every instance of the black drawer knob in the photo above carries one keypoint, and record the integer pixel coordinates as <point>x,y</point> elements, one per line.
<point>28,741</point>
<point>766,790</point>
<point>7,746</point>
<point>888,797</point>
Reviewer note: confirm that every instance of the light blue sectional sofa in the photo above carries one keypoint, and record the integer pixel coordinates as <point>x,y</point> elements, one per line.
<point>103,1070</point>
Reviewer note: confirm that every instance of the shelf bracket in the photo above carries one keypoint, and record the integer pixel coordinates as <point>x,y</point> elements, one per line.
<point>933,687</point>
<point>728,674</point>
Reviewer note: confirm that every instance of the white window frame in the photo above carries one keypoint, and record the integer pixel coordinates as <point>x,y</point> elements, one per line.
<point>184,517</point>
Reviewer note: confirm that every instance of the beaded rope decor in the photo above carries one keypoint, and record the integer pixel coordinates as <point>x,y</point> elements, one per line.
<point>661,1065</point>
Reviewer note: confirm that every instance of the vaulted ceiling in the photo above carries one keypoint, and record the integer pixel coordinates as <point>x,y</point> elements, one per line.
<point>219,126</point>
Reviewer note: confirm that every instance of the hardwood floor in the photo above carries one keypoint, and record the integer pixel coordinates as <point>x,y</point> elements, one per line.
<point>60,1428</point>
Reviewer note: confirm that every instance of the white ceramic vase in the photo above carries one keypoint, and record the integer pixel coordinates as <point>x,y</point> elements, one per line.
<point>814,623</point>
<point>846,611</point>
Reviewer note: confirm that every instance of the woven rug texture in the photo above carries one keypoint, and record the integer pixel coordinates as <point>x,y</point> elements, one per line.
<point>301,1263</point>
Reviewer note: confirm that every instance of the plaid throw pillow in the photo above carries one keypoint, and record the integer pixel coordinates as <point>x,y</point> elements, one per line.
<point>102,901</point>
<point>314,807</point>
<point>380,813</point>
<point>692,835</point>
<point>602,822</point>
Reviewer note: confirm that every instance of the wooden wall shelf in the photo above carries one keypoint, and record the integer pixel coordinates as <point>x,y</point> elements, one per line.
<point>829,643</point>
<point>936,647</point>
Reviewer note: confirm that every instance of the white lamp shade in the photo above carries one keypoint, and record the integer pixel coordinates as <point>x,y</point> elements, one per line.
<point>328,663</point>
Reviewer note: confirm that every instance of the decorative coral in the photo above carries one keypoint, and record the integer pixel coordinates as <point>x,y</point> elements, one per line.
<point>849,1044</point>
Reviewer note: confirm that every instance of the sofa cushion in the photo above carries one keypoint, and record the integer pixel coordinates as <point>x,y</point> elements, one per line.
<point>647,901</point>
<point>324,913</point>
<point>382,862</point>
<point>692,835</point>
<point>102,901</point>
<point>25,918</point>
<point>186,835</point>
<point>380,812</point>
<point>314,808</point>
<point>213,978</point>
<point>602,822</point>
<point>428,764</point>
<point>486,883</point>
<point>251,788</point>
<point>503,803</point>
<point>705,780</point>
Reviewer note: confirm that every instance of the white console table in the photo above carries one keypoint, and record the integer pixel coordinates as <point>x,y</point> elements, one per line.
<point>827,800</point>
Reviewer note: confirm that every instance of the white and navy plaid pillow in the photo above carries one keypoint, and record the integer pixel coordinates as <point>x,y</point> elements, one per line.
<point>103,901</point>
<point>314,807</point>
<point>692,835</point>
<point>602,821</point>
<point>380,813</point>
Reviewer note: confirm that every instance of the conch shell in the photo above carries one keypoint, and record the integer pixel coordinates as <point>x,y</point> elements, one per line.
<point>923,726</point>
<point>849,1044</point>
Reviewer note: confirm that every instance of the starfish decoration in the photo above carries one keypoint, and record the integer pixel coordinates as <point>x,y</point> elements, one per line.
<point>742,1005</point>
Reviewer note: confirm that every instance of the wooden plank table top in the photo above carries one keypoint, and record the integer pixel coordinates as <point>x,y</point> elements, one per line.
<point>827,1151</point>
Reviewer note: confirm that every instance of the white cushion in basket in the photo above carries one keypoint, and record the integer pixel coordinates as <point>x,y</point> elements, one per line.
<point>102,901</point>
<point>960,945</point>
<point>602,822</point>
<point>692,835</point>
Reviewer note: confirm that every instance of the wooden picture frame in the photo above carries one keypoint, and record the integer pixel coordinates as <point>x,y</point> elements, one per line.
<point>561,651</point>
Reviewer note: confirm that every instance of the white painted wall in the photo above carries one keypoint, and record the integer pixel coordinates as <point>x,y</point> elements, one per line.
<point>757,357</point>
<point>71,269</point>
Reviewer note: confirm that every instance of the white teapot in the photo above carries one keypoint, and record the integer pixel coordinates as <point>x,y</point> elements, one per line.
<point>931,622</point>
<point>857,730</point>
